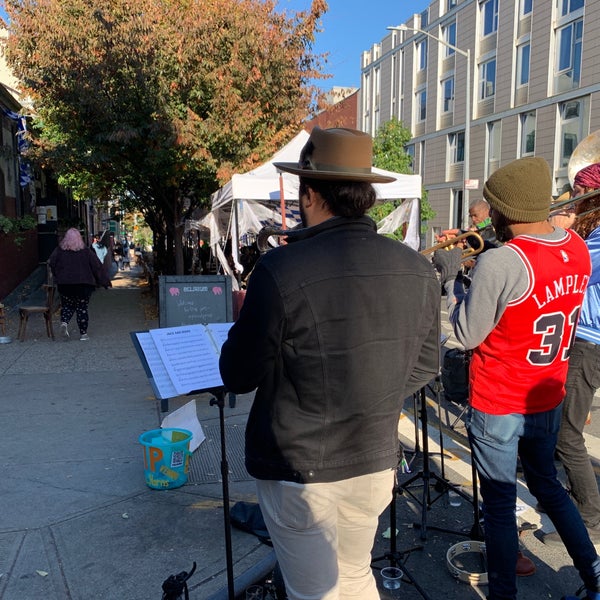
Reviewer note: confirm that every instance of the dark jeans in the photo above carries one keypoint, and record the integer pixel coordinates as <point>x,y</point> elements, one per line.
<point>582,382</point>
<point>495,441</point>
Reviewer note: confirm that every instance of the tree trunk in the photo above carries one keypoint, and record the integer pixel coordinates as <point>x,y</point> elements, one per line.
<point>178,248</point>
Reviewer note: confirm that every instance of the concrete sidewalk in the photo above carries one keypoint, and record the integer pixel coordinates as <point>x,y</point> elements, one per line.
<point>77,521</point>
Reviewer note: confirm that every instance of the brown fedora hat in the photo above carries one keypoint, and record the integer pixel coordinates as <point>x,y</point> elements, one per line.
<point>336,154</point>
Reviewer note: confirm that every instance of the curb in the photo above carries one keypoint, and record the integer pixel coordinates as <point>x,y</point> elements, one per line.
<point>256,573</point>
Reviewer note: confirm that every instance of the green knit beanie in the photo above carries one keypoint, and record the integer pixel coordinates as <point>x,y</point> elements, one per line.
<point>521,191</point>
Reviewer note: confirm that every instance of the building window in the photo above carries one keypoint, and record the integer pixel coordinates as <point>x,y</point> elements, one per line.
<point>448,95</point>
<point>487,79</point>
<point>489,16</point>
<point>410,151</point>
<point>366,90</point>
<point>449,33</point>
<point>425,18</point>
<point>421,106</point>
<point>457,208</point>
<point>523,53</point>
<point>494,132</point>
<point>422,54</point>
<point>451,4</point>
<point>571,128</point>
<point>568,55</point>
<point>569,6</point>
<point>456,147</point>
<point>526,7</point>
<point>527,127</point>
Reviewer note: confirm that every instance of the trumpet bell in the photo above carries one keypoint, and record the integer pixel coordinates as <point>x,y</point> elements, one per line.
<point>467,252</point>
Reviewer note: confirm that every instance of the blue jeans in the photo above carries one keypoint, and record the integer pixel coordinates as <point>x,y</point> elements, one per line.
<point>495,442</point>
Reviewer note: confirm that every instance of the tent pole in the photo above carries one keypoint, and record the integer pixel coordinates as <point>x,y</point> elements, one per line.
<point>419,225</point>
<point>282,201</point>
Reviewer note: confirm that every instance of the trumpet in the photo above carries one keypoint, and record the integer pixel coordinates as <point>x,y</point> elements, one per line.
<point>467,252</point>
<point>266,232</point>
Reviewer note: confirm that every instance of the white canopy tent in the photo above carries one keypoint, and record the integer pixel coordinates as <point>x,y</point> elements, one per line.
<point>252,200</point>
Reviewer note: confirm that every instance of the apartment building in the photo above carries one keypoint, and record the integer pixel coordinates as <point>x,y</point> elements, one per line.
<point>482,82</point>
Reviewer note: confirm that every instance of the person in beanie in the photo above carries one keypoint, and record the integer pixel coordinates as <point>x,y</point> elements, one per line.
<point>519,319</point>
<point>338,326</point>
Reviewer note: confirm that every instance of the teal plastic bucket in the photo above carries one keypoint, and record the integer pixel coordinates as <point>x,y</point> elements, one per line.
<point>166,457</point>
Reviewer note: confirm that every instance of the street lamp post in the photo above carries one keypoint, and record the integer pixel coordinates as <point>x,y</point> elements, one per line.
<point>467,54</point>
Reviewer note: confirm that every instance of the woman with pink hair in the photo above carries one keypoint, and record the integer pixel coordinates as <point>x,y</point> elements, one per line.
<point>77,272</point>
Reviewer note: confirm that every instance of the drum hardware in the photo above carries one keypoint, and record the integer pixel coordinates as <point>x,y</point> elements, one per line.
<point>425,478</point>
<point>476,532</point>
<point>398,558</point>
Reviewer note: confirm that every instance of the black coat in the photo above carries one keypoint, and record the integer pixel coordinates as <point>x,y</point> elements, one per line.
<point>81,267</point>
<point>336,330</point>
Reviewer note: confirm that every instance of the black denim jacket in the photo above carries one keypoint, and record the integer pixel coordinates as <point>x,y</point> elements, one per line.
<point>338,327</point>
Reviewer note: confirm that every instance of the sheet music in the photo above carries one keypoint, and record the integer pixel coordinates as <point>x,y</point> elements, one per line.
<point>160,377</point>
<point>190,355</point>
<point>219,333</point>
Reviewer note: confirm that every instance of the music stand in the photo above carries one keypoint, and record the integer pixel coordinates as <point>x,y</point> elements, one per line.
<point>399,557</point>
<point>425,475</point>
<point>161,378</point>
<point>219,401</point>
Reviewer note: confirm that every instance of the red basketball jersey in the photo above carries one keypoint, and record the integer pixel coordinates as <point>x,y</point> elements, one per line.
<point>521,366</point>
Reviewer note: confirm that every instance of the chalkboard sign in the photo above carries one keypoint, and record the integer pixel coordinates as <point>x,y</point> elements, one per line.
<point>194,300</point>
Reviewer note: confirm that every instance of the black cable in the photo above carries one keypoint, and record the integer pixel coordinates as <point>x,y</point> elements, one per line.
<point>175,585</point>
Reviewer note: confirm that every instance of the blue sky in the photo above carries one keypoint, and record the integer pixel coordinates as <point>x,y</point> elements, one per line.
<point>349,28</point>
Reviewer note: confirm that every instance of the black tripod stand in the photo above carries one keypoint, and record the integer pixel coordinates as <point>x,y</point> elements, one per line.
<point>399,557</point>
<point>425,477</point>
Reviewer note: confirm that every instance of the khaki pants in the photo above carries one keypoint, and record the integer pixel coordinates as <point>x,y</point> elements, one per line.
<point>323,534</point>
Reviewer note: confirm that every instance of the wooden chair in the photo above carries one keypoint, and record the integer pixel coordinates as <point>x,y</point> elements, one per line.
<point>44,308</point>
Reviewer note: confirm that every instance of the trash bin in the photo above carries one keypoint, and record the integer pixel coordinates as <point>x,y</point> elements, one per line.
<point>166,457</point>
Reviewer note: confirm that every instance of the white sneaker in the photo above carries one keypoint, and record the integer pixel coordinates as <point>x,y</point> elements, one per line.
<point>84,337</point>
<point>64,330</point>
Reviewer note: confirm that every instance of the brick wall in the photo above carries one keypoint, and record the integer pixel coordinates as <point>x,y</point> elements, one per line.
<point>17,262</point>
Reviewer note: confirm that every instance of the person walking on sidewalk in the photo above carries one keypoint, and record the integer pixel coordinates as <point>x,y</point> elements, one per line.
<point>99,247</point>
<point>519,317</point>
<point>77,272</point>
<point>338,327</point>
<point>583,378</point>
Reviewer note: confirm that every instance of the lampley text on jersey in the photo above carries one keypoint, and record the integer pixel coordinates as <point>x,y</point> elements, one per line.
<point>569,284</point>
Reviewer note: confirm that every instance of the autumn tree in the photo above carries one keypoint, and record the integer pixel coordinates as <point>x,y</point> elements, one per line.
<point>158,102</point>
<point>389,152</point>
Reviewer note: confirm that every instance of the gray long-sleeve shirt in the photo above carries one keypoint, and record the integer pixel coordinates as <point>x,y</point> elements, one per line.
<point>498,278</point>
